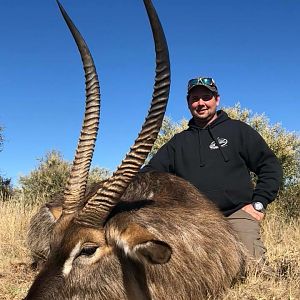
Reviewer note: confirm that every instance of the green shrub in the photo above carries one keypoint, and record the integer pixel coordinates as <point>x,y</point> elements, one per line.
<point>97,174</point>
<point>287,204</point>
<point>50,178</point>
<point>6,189</point>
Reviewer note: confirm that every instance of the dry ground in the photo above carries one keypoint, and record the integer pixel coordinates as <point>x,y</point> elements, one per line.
<point>282,240</point>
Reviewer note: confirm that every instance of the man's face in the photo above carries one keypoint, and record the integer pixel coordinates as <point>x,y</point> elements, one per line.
<point>203,111</point>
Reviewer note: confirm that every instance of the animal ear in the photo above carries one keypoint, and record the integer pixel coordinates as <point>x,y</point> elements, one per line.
<point>154,252</point>
<point>138,243</point>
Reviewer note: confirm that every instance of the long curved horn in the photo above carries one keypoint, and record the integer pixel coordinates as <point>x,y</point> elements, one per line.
<point>98,207</point>
<point>76,185</point>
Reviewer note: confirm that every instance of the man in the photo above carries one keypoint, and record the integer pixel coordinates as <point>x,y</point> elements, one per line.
<point>216,154</point>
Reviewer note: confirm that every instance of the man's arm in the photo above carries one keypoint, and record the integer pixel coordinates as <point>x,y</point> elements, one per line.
<point>262,161</point>
<point>163,160</point>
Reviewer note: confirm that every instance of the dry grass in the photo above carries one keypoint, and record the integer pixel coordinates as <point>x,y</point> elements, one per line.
<point>15,275</point>
<point>281,238</point>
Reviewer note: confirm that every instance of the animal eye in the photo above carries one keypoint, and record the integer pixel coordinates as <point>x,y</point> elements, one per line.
<point>88,250</point>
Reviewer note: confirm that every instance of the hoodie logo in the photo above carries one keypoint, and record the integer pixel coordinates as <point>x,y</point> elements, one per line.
<point>222,141</point>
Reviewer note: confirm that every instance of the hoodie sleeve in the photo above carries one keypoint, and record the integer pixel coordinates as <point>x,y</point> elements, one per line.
<point>163,160</point>
<point>262,161</point>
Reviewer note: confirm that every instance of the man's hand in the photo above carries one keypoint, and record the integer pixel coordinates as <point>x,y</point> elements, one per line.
<point>254,213</point>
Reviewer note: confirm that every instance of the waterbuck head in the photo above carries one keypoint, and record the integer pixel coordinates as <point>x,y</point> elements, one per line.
<point>89,238</point>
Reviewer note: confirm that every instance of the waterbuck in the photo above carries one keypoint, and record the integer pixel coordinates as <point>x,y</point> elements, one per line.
<point>136,236</point>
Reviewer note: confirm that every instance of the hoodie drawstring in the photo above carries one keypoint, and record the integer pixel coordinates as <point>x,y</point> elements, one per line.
<point>202,162</point>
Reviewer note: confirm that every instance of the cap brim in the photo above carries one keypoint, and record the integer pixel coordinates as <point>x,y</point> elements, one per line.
<point>211,88</point>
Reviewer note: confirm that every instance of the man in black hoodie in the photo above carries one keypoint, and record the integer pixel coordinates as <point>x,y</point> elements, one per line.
<point>216,154</point>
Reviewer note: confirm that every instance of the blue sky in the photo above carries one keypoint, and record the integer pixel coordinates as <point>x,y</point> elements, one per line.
<point>251,49</point>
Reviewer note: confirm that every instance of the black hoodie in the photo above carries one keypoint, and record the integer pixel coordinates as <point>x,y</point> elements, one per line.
<point>217,160</point>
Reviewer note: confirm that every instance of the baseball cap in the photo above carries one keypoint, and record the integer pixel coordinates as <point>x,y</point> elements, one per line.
<point>202,81</point>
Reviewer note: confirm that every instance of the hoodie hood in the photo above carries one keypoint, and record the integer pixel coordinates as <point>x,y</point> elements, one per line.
<point>221,117</point>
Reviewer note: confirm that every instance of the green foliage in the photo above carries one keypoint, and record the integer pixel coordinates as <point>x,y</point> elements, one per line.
<point>6,189</point>
<point>287,205</point>
<point>98,174</point>
<point>50,178</point>
<point>5,183</point>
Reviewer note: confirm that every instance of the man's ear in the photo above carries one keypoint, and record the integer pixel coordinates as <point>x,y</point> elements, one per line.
<point>218,100</point>
<point>138,243</point>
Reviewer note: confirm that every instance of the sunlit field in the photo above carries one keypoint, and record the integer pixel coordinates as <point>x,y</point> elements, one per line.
<point>282,239</point>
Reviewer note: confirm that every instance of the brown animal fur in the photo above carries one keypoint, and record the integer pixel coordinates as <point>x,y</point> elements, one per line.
<point>42,224</point>
<point>204,254</point>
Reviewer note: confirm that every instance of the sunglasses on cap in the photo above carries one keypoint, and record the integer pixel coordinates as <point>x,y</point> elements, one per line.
<point>205,81</point>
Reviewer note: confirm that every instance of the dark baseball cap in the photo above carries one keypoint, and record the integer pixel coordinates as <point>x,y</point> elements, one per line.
<point>202,81</point>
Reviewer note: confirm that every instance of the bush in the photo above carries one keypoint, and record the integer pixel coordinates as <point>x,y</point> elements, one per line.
<point>6,189</point>
<point>5,183</point>
<point>97,174</point>
<point>287,205</point>
<point>50,178</point>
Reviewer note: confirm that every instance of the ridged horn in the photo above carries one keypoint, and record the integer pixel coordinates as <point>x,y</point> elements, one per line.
<point>99,206</point>
<point>76,185</point>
